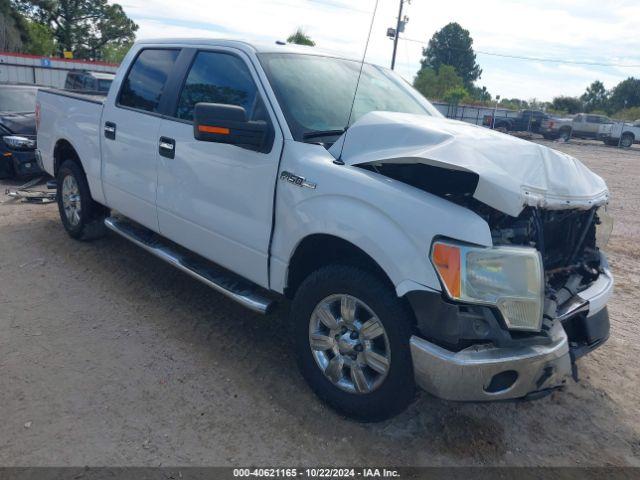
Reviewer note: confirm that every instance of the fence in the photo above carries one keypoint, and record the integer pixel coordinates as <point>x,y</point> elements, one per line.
<point>471,114</point>
<point>44,71</point>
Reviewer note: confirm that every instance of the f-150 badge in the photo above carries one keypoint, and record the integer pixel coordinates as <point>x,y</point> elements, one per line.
<point>296,180</point>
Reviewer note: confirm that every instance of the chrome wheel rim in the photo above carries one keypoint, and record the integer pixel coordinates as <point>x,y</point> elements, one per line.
<point>71,200</point>
<point>349,344</point>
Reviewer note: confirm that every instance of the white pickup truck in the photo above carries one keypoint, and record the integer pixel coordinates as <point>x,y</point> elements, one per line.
<point>622,134</point>
<point>415,250</point>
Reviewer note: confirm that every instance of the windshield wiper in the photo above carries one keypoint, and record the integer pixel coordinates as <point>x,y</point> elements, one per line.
<point>323,133</point>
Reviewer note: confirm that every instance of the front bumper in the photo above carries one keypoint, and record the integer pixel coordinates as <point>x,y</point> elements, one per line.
<point>486,372</point>
<point>22,163</point>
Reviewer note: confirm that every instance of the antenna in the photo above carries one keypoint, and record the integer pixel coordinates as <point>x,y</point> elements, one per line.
<point>355,94</point>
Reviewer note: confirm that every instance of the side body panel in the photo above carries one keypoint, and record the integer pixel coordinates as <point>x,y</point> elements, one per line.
<point>217,199</point>
<point>129,164</point>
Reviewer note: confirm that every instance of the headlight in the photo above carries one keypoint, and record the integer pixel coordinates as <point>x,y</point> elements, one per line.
<point>19,143</point>
<point>509,278</point>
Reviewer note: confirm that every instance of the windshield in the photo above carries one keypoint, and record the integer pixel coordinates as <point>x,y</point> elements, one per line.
<point>316,93</point>
<point>17,100</point>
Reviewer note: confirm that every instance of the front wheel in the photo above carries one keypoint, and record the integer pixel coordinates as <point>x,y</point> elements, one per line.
<point>627,140</point>
<point>82,217</point>
<point>565,135</point>
<point>352,342</point>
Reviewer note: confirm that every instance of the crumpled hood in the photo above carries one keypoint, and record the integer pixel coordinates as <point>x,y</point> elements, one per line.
<point>513,173</point>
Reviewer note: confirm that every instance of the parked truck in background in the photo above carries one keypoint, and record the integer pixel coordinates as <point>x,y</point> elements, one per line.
<point>583,125</point>
<point>623,134</point>
<point>526,121</point>
<point>415,250</point>
<point>92,82</point>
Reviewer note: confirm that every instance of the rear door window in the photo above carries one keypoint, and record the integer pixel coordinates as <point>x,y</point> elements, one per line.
<point>142,88</point>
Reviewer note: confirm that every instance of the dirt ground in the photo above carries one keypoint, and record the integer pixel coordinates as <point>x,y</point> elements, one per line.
<point>108,356</point>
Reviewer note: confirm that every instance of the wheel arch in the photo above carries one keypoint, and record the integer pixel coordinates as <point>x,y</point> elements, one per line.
<point>319,249</point>
<point>62,151</point>
<point>630,134</point>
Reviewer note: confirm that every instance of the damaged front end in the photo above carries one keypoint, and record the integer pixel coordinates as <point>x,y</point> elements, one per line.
<point>470,350</point>
<point>512,317</point>
<point>576,272</point>
<point>473,351</point>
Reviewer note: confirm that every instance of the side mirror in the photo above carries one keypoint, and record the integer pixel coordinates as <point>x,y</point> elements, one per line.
<point>221,123</point>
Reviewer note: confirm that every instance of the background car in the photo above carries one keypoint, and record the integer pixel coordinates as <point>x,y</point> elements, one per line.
<point>18,132</point>
<point>84,81</point>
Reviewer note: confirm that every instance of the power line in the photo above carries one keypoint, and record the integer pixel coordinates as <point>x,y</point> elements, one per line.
<point>539,59</point>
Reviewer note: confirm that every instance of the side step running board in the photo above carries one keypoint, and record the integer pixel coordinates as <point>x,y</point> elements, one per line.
<point>237,288</point>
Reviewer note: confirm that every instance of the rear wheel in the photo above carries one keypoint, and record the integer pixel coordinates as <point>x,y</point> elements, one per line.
<point>352,342</point>
<point>82,217</point>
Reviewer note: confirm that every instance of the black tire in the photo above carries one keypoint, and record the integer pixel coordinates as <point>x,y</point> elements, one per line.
<point>397,390</point>
<point>565,134</point>
<point>627,140</point>
<point>91,217</point>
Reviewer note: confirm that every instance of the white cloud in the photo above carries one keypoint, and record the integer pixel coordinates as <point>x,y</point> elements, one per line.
<point>576,30</point>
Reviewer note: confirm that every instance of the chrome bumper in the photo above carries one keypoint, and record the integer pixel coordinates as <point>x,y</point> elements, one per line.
<point>470,374</point>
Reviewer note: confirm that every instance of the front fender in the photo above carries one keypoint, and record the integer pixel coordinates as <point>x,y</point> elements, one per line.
<point>368,228</point>
<point>390,221</point>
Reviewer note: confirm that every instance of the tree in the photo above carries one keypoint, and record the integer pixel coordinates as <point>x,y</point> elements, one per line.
<point>40,39</point>
<point>514,104</point>
<point>301,38</point>
<point>434,85</point>
<point>569,105</point>
<point>480,94</point>
<point>13,31</point>
<point>84,27</point>
<point>625,95</point>
<point>630,114</point>
<point>453,46</point>
<point>595,97</point>
<point>115,53</point>
<point>454,95</point>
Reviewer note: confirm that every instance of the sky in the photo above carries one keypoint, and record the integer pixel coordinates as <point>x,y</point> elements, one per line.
<point>585,31</point>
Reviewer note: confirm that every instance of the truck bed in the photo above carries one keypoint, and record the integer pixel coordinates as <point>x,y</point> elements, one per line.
<point>71,119</point>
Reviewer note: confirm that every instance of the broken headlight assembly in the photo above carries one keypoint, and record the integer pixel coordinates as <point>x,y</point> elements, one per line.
<point>509,278</point>
<point>19,143</point>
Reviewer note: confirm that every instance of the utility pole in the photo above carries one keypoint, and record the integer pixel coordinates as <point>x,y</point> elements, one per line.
<point>395,40</point>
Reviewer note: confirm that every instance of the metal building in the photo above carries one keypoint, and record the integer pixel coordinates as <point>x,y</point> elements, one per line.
<point>45,71</point>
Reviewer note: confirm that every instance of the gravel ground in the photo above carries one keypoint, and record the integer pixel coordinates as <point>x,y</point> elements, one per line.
<point>110,357</point>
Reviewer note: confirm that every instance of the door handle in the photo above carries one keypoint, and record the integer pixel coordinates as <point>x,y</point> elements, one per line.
<point>167,147</point>
<point>110,130</point>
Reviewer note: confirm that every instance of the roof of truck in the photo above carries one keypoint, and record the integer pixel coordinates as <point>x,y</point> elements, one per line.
<point>258,47</point>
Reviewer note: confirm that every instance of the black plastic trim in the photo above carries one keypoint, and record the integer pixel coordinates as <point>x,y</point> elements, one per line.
<point>456,326</point>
